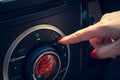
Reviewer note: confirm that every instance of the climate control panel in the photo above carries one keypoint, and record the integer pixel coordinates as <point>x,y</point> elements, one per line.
<point>36,55</point>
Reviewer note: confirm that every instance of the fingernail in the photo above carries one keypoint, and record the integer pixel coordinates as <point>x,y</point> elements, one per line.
<point>93,54</point>
<point>112,40</point>
<point>61,37</point>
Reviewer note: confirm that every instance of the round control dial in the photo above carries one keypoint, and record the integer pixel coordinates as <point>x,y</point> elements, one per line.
<point>42,64</point>
<point>45,66</point>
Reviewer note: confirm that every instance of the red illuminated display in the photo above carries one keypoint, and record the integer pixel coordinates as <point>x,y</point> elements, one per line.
<point>45,65</point>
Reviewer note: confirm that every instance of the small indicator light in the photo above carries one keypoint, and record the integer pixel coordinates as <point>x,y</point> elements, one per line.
<point>38,39</point>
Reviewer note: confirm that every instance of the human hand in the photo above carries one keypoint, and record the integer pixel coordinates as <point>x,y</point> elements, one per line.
<point>103,36</point>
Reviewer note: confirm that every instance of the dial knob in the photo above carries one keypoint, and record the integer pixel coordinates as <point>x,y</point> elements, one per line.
<point>42,63</point>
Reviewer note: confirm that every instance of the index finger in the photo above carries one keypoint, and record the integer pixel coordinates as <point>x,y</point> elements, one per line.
<point>82,35</point>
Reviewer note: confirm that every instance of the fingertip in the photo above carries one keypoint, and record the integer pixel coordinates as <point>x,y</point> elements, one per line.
<point>62,40</point>
<point>61,37</point>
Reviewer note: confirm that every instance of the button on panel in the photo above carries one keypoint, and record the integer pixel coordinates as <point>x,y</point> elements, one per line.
<point>63,53</point>
<point>53,38</point>
<point>15,68</point>
<point>43,34</point>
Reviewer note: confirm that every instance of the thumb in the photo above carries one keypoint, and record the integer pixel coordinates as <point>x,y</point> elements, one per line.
<point>108,50</point>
